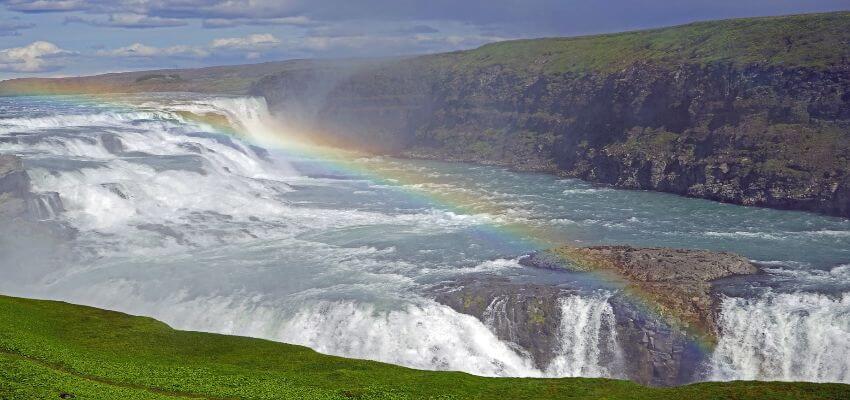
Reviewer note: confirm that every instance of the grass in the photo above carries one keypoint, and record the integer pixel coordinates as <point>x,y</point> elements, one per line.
<point>812,40</point>
<point>51,350</point>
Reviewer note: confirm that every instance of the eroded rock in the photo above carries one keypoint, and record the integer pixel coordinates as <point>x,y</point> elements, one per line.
<point>676,282</point>
<point>664,316</point>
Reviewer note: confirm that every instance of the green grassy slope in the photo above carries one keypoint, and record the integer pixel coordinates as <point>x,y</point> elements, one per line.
<point>813,40</point>
<point>48,349</point>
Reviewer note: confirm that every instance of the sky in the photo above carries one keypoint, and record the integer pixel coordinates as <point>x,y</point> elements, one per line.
<point>83,37</point>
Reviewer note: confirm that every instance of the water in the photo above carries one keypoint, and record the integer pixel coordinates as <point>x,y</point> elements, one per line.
<point>209,232</point>
<point>785,337</point>
<point>588,336</point>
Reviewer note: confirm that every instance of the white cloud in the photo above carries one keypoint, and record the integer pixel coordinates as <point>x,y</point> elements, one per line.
<point>251,42</point>
<point>128,20</point>
<point>231,22</point>
<point>251,45</point>
<point>141,50</point>
<point>36,57</point>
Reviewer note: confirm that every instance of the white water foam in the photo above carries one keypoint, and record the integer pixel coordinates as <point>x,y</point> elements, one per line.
<point>785,337</point>
<point>125,202</point>
<point>423,335</point>
<point>588,336</point>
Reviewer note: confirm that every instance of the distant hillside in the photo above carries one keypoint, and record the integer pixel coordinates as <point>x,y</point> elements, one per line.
<point>751,111</point>
<point>235,79</point>
<point>811,40</point>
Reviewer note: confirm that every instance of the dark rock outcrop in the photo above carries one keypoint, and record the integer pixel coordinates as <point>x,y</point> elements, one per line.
<point>664,316</point>
<point>14,181</point>
<point>677,282</point>
<point>527,315</point>
<point>17,201</point>
<point>112,143</point>
<point>32,242</point>
<point>650,350</point>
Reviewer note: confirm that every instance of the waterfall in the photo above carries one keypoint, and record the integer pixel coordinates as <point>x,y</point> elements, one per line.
<point>588,338</point>
<point>207,231</point>
<point>43,206</point>
<point>785,337</point>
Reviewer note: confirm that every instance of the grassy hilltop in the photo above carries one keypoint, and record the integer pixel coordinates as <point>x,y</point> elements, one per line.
<point>809,40</point>
<point>51,350</point>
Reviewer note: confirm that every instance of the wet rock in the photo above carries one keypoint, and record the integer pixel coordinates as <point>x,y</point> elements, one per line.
<point>116,189</point>
<point>218,138</point>
<point>656,352</point>
<point>527,315</point>
<point>675,281</point>
<point>160,163</point>
<point>192,147</point>
<point>649,350</point>
<point>112,143</point>
<point>14,181</point>
<point>17,201</point>
<point>665,314</point>
<point>31,244</point>
<point>165,231</point>
<point>260,152</point>
<point>45,205</point>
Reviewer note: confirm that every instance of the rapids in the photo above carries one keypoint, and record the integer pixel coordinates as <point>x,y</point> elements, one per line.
<point>181,219</point>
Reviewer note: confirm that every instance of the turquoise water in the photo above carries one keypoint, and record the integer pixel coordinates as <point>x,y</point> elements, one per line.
<point>209,232</point>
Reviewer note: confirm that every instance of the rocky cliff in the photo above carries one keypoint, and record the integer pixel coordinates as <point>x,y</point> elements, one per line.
<point>753,112</point>
<point>663,319</point>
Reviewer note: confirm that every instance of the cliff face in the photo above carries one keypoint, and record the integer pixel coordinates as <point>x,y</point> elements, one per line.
<point>753,112</point>
<point>756,135</point>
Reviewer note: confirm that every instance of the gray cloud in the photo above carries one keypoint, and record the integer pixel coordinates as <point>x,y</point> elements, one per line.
<point>418,29</point>
<point>13,27</point>
<point>213,23</point>
<point>128,21</point>
<point>527,18</point>
<point>39,6</point>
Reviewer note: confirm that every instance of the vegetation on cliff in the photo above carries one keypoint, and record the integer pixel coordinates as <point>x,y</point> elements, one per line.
<point>57,350</point>
<point>813,40</point>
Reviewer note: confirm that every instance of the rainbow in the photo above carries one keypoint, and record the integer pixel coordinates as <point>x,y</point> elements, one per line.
<point>390,172</point>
